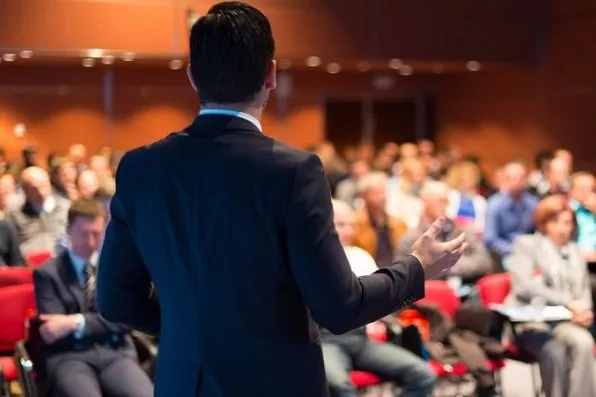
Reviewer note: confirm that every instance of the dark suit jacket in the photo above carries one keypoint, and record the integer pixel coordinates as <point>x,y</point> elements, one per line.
<point>58,291</point>
<point>236,231</point>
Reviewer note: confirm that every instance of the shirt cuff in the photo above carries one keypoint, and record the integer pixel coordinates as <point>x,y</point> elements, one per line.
<point>80,330</point>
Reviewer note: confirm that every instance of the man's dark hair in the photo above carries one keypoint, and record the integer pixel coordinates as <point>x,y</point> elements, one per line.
<point>231,48</point>
<point>84,208</point>
<point>543,156</point>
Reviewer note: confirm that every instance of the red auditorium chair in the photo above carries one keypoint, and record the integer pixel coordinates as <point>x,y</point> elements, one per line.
<point>17,303</point>
<point>15,276</point>
<point>493,289</point>
<point>38,258</point>
<point>439,294</point>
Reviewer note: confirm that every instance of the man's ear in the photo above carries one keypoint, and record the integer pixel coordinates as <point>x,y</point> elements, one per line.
<point>271,77</point>
<point>190,78</point>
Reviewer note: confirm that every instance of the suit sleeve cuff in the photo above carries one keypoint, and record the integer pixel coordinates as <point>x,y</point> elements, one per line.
<point>416,279</point>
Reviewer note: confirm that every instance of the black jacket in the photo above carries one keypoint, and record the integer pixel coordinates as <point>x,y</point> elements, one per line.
<point>236,232</point>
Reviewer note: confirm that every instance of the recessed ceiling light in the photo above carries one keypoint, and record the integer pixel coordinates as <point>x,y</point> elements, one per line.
<point>107,59</point>
<point>128,56</point>
<point>284,64</point>
<point>313,61</point>
<point>176,64</point>
<point>334,68</point>
<point>9,57</point>
<point>406,70</point>
<point>363,66</point>
<point>19,130</point>
<point>88,62</point>
<point>95,53</point>
<point>26,54</point>
<point>395,63</point>
<point>473,66</point>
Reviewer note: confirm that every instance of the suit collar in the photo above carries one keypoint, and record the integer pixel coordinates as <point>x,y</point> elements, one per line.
<point>213,124</point>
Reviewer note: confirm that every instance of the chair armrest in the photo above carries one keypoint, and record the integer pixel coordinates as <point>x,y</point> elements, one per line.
<point>25,369</point>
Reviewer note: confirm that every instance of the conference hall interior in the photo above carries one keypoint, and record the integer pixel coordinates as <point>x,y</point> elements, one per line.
<point>482,112</point>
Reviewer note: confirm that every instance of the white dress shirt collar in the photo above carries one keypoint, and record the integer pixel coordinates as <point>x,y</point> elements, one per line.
<point>233,113</point>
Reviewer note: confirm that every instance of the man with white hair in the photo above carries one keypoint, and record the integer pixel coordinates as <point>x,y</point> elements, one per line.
<point>354,349</point>
<point>376,231</point>
<point>475,261</point>
<point>41,219</point>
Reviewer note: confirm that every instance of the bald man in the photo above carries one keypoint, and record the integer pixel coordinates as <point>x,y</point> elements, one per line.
<point>87,183</point>
<point>41,219</point>
<point>475,261</point>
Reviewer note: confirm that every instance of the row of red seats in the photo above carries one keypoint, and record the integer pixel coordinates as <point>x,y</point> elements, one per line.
<point>492,289</point>
<point>17,303</point>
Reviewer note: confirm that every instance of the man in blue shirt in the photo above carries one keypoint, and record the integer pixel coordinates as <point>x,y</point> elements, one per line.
<point>510,212</point>
<point>84,354</point>
<point>581,198</point>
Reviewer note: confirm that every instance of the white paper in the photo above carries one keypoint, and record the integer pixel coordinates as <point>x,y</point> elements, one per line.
<point>524,314</point>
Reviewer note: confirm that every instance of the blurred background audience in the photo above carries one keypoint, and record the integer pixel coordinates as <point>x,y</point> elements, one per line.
<point>490,127</point>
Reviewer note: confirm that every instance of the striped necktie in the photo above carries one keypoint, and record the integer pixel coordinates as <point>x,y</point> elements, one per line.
<point>89,287</point>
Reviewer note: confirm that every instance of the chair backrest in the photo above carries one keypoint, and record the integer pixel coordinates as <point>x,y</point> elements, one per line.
<point>441,295</point>
<point>15,276</point>
<point>17,303</point>
<point>493,288</point>
<point>38,258</point>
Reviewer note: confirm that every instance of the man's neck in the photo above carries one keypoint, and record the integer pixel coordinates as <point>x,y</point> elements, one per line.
<point>250,109</point>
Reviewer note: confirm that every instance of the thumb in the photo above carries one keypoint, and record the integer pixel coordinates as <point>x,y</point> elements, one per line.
<point>455,244</point>
<point>434,229</point>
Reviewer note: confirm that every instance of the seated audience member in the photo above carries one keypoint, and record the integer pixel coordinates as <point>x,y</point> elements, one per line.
<point>582,199</point>
<point>466,206</point>
<point>537,178</point>
<point>103,196</point>
<point>101,165</point>
<point>475,261</point>
<point>403,190</point>
<point>354,350</point>
<point>10,254</point>
<point>8,195</point>
<point>549,266</point>
<point>87,183</point>
<point>376,231</point>
<point>510,212</point>
<point>41,219</point>
<point>347,189</point>
<point>63,176</point>
<point>77,154</point>
<point>85,355</point>
<point>566,156</point>
<point>556,179</point>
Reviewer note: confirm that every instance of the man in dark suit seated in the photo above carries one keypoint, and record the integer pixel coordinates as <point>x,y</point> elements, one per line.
<point>85,355</point>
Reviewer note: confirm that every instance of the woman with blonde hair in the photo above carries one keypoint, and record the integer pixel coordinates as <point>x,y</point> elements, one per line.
<point>466,205</point>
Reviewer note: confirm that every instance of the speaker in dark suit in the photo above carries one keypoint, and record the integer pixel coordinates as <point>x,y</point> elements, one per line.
<point>83,353</point>
<point>235,231</point>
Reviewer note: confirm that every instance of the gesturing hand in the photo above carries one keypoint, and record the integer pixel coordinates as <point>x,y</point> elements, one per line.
<point>437,257</point>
